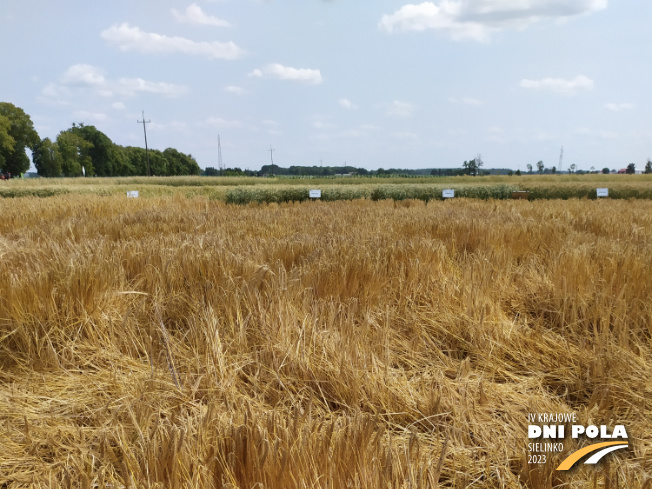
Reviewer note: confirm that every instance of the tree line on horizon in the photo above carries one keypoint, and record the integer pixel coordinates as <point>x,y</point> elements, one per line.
<point>84,150</point>
<point>80,150</point>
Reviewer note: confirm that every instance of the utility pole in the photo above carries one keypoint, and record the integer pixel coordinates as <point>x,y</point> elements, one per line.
<point>561,157</point>
<point>220,165</point>
<point>271,157</point>
<point>143,122</point>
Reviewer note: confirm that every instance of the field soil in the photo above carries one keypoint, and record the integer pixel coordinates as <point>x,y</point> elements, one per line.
<point>180,342</point>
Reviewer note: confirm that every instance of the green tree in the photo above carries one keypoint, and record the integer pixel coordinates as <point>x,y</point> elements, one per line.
<point>73,154</point>
<point>45,158</point>
<point>529,168</point>
<point>605,170</point>
<point>122,165</point>
<point>180,164</point>
<point>158,163</point>
<point>518,173</point>
<point>136,160</point>
<point>472,167</point>
<point>16,133</point>
<point>102,153</point>
<point>7,143</point>
<point>540,166</point>
<point>553,170</point>
<point>631,169</point>
<point>648,166</point>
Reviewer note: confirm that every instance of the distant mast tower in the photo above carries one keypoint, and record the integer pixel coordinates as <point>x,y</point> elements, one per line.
<point>220,165</point>
<point>561,158</point>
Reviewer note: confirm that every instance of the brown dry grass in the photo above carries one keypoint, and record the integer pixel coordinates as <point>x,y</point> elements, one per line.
<point>173,342</point>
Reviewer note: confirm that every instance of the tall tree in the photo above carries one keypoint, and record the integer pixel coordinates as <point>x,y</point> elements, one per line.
<point>7,143</point>
<point>180,164</point>
<point>45,158</point>
<point>648,166</point>
<point>102,153</point>
<point>136,160</point>
<point>473,167</point>
<point>73,154</point>
<point>631,169</point>
<point>157,163</point>
<point>122,164</point>
<point>16,134</point>
<point>540,166</point>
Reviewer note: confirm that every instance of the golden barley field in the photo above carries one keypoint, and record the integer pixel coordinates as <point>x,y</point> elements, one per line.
<point>180,342</point>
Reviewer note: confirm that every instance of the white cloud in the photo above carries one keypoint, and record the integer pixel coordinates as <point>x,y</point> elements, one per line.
<point>118,106</point>
<point>560,85</point>
<point>280,72</point>
<point>235,90</point>
<point>618,107</point>
<point>131,86</point>
<point>322,125</point>
<point>83,75</point>
<point>400,109</point>
<point>477,19</point>
<point>85,115</point>
<point>347,104</point>
<point>56,94</point>
<point>195,15</point>
<point>129,38</point>
<point>471,101</point>
<point>92,78</point>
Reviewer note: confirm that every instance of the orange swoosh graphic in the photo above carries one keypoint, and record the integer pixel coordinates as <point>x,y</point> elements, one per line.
<point>574,457</point>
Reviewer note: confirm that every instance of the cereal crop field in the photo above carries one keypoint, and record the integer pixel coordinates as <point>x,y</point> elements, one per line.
<point>177,341</point>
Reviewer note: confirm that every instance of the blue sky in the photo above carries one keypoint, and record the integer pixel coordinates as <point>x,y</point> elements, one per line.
<point>369,83</point>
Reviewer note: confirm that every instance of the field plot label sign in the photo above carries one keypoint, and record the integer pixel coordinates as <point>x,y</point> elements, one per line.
<point>602,192</point>
<point>132,194</point>
<point>315,194</point>
<point>448,193</point>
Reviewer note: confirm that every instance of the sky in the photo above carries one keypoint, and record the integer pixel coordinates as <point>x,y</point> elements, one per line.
<point>367,83</point>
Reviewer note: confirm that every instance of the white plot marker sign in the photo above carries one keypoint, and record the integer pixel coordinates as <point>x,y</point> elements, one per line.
<point>602,192</point>
<point>448,193</point>
<point>132,194</point>
<point>314,194</point>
